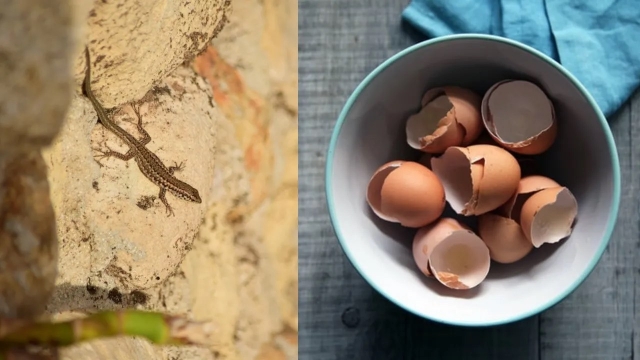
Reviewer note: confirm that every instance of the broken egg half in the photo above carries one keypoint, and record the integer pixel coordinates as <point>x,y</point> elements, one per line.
<point>460,261</point>
<point>519,116</point>
<point>406,192</point>
<point>477,179</point>
<point>427,237</point>
<point>450,116</point>
<point>527,186</point>
<point>501,230</point>
<point>449,251</point>
<point>504,238</point>
<point>509,233</point>
<point>548,215</point>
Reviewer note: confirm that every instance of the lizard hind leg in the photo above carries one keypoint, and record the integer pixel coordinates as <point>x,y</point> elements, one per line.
<point>163,197</point>
<point>111,153</point>
<point>146,138</point>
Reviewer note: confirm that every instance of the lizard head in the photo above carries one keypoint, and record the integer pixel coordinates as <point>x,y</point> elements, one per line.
<point>189,193</point>
<point>193,195</point>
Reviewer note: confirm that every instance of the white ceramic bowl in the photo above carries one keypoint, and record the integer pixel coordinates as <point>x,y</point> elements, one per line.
<point>370,132</point>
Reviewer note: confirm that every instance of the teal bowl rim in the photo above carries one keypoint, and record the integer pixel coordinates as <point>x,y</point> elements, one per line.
<point>613,211</point>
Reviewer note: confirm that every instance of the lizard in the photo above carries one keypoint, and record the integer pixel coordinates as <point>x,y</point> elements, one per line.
<point>149,164</point>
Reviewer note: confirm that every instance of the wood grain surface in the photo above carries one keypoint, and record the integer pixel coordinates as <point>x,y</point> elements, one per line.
<point>342,317</point>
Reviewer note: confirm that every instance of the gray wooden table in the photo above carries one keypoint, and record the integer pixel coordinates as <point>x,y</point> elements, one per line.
<point>342,317</point>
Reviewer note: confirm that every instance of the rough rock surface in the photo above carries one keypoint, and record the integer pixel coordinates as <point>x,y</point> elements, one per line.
<point>35,70</point>
<point>236,262</point>
<point>113,229</point>
<point>140,42</point>
<point>28,242</point>
<point>37,39</point>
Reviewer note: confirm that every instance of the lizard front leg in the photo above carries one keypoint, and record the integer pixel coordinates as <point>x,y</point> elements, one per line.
<point>176,167</point>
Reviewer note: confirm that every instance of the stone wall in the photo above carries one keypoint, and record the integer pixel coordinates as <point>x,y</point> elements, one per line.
<point>216,81</point>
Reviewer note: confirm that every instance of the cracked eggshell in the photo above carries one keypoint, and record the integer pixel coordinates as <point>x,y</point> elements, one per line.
<point>504,238</point>
<point>460,261</point>
<point>434,128</point>
<point>450,116</point>
<point>527,186</point>
<point>548,215</point>
<point>374,190</point>
<point>519,116</point>
<point>477,179</point>
<point>466,105</point>
<point>499,178</point>
<point>406,192</point>
<point>427,237</point>
<point>528,164</point>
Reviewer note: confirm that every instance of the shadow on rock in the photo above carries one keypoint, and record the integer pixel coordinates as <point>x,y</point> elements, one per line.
<point>91,298</point>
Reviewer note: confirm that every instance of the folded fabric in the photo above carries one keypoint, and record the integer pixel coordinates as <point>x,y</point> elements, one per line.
<point>598,41</point>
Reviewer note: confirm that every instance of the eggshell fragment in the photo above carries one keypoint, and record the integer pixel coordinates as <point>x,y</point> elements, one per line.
<point>501,231</point>
<point>434,128</point>
<point>374,190</point>
<point>460,261</point>
<point>504,238</point>
<point>527,186</point>
<point>477,179</point>
<point>466,105</point>
<point>548,215</point>
<point>450,116</point>
<point>534,183</point>
<point>519,116</point>
<point>407,193</point>
<point>427,237</point>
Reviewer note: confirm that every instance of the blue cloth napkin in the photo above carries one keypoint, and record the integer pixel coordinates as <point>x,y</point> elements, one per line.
<point>598,41</point>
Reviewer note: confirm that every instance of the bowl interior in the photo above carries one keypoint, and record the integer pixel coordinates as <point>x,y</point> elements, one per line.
<point>583,158</point>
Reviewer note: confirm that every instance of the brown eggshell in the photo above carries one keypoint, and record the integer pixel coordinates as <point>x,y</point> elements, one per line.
<point>504,238</point>
<point>534,183</point>
<point>434,128</point>
<point>374,190</point>
<point>500,178</point>
<point>413,195</point>
<point>460,261</point>
<point>477,179</point>
<point>427,237</point>
<point>526,187</point>
<point>453,168</point>
<point>548,215</point>
<point>466,105</point>
<point>519,116</point>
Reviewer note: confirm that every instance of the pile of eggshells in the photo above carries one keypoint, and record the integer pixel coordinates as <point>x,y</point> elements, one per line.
<point>478,175</point>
